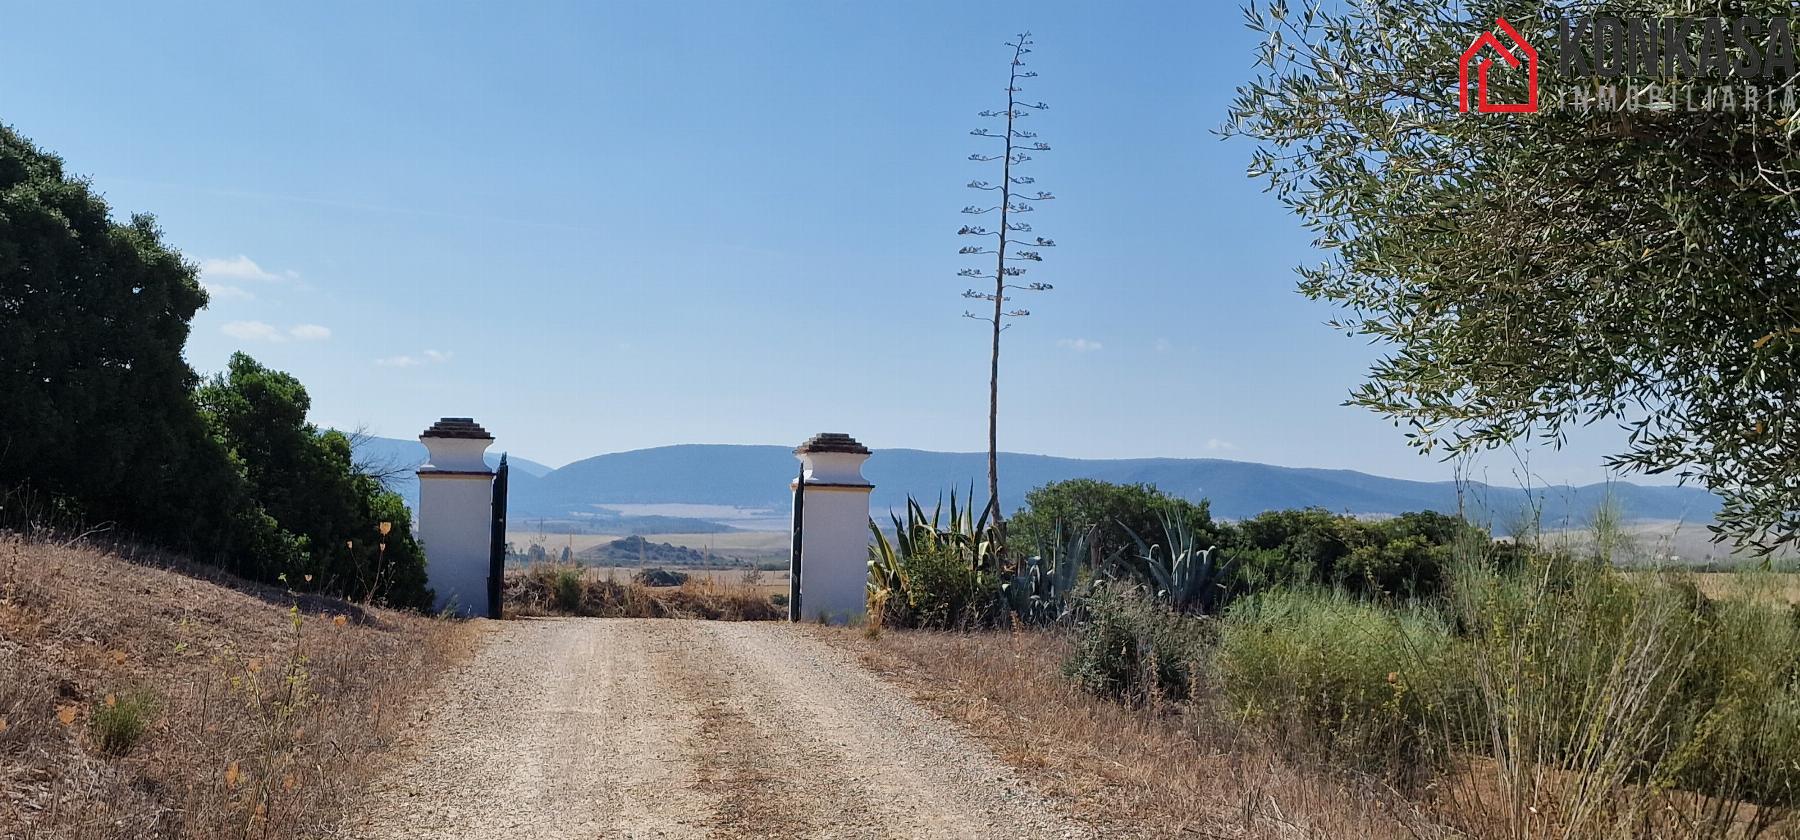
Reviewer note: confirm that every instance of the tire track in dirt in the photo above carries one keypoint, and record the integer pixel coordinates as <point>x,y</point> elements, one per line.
<point>556,729</point>
<point>642,728</point>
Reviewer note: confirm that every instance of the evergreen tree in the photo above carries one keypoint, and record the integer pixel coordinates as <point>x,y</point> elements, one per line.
<point>307,480</point>
<point>97,421</point>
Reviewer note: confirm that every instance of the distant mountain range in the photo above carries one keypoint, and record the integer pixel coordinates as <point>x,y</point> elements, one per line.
<point>757,478</point>
<point>411,453</point>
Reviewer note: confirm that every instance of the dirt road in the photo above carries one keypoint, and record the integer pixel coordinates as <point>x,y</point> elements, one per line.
<point>647,728</point>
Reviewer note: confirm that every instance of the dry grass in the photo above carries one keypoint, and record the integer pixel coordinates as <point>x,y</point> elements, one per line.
<point>552,589</point>
<point>1157,772</point>
<point>770,581</point>
<point>1155,766</point>
<point>143,700</point>
<point>1773,587</point>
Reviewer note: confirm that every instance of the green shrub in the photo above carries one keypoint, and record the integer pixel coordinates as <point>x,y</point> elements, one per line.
<point>1740,721</point>
<point>566,589</point>
<point>1134,649</point>
<point>1112,511</point>
<point>1324,673</point>
<point>120,721</point>
<point>1593,692</point>
<point>1578,665</point>
<point>307,481</point>
<point>96,397</point>
<point>936,575</point>
<point>660,577</point>
<point>1625,685</point>
<point>943,591</point>
<point>1406,556</point>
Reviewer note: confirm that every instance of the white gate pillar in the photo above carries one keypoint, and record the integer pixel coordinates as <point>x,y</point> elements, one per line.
<point>834,528</point>
<point>456,499</point>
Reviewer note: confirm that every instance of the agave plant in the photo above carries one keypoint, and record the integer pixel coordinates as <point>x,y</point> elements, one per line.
<point>934,570</point>
<point>983,543</point>
<point>887,573</point>
<point>1041,589</point>
<point>1183,574</point>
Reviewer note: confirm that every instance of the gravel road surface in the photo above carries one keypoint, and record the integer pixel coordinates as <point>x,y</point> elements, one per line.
<point>659,728</point>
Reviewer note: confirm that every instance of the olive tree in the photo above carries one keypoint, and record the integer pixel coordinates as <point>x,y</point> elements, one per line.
<point>1529,273</point>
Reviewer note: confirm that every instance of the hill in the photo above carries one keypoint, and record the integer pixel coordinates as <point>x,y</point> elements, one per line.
<point>397,460</point>
<point>757,477</point>
<point>637,551</point>
<point>396,454</point>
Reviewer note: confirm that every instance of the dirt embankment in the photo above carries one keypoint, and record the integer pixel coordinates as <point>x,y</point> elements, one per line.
<point>142,701</point>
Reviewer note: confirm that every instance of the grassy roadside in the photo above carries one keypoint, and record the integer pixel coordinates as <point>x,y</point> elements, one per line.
<point>142,699</point>
<point>1165,771</point>
<point>1570,700</point>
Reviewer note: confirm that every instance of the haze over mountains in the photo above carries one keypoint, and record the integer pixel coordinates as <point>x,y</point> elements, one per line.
<point>756,478</point>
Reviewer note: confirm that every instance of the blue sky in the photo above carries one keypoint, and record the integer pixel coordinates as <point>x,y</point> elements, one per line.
<point>597,227</point>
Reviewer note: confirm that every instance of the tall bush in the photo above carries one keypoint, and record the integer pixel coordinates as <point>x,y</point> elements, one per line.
<point>1134,649</point>
<point>1601,690</point>
<point>1113,511</point>
<point>307,481</point>
<point>936,573</point>
<point>97,421</point>
<point>1335,677</point>
<point>1405,556</point>
<point>1741,727</point>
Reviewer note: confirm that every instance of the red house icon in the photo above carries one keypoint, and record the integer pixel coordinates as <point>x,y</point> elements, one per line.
<point>1488,40</point>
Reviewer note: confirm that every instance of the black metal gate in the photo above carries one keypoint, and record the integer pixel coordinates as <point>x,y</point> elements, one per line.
<point>496,582</point>
<point>794,556</point>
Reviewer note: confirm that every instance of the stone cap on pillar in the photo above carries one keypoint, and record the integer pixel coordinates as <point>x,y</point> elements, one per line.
<point>456,446</point>
<point>831,442</point>
<point>833,459</point>
<point>456,427</point>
